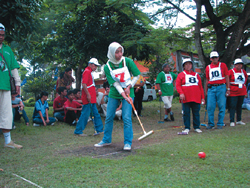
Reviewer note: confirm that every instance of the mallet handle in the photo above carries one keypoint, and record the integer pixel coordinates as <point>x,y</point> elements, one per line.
<point>131,102</point>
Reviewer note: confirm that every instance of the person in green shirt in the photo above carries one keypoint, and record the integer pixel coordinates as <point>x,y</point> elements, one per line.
<point>7,63</point>
<point>165,82</point>
<point>117,70</point>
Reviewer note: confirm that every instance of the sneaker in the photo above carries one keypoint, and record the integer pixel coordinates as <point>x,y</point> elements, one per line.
<point>56,118</point>
<point>14,127</point>
<point>81,134</point>
<point>127,147</point>
<point>102,144</point>
<point>210,127</point>
<point>172,117</point>
<point>12,145</point>
<point>198,130</point>
<point>240,123</point>
<point>96,133</point>
<point>186,131</point>
<point>167,119</point>
<point>36,124</point>
<point>232,124</point>
<point>90,119</point>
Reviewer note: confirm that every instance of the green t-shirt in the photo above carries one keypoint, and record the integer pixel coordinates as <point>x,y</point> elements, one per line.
<point>12,64</point>
<point>167,89</point>
<point>113,93</point>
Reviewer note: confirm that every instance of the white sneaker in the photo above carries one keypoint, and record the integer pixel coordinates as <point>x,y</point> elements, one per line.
<point>36,124</point>
<point>186,131</point>
<point>240,123</point>
<point>232,124</point>
<point>101,144</point>
<point>198,130</point>
<point>127,147</point>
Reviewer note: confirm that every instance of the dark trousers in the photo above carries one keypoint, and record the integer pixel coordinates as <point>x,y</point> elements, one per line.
<point>71,116</point>
<point>236,105</point>
<point>138,100</point>
<point>196,114</point>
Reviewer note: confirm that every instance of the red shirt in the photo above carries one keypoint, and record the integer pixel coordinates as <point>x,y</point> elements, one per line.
<point>89,81</point>
<point>193,93</point>
<point>59,102</point>
<point>223,69</point>
<point>234,88</point>
<point>72,104</point>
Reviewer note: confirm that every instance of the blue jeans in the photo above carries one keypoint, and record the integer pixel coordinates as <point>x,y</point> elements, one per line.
<point>236,105</point>
<point>83,120</point>
<point>38,120</point>
<point>59,115</point>
<point>196,114</point>
<point>247,106</point>
<point>216,94</point>
<point>24,115</point>
<point>126,117</point>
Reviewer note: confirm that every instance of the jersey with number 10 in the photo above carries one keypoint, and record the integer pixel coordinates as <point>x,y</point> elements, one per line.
<point>216,73</point>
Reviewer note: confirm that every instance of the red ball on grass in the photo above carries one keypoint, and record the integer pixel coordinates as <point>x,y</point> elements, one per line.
<point>202,155</point>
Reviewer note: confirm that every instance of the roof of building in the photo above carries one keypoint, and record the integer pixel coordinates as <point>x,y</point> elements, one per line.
<point>141,67</point>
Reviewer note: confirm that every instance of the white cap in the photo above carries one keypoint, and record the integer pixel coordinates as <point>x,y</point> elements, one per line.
<point>1,25</point>
<point>94,61</point>
<point>214,54</point>
<point>237,61</point>
<point>186,60</point>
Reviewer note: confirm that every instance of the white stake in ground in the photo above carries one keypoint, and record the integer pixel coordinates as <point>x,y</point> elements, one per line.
<point>146,134</point>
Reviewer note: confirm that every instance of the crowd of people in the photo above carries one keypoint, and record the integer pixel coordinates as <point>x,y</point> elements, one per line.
<point>124,86</point>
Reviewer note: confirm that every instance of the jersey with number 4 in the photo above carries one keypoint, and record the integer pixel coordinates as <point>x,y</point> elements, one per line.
<point>237,81</point>
<point>215,74</point>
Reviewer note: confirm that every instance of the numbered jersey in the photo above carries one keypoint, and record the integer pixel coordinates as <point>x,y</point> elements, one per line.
<point>215,73</point>
<point>239,78</point>
<point>93,81</point>
<point>191,80</point>
<point>121,75</point>
<point>168,79</point>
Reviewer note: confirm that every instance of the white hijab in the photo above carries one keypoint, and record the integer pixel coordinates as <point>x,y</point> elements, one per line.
<point>111,52</point>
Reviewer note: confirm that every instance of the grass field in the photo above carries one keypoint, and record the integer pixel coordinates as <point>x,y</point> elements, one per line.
<point>53,157</point>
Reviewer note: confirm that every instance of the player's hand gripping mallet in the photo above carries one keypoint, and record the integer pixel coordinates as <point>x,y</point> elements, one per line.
<point>146,134</point>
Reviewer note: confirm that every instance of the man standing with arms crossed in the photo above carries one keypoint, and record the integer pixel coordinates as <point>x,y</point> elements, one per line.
<point>89,101</point>
<point>165,82</point>
<point>7,62</point>
<point>217,88</point>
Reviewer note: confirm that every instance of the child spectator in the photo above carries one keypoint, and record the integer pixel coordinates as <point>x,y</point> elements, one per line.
<point>99,96</point>
<point>72,109</point>
<point>58,104</point>
<point>18,110</point>
<point>41,115</point>
<point>104,103</point>
<point>77,95</point>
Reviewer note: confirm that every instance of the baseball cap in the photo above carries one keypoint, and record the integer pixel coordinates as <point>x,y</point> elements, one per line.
<point>2,27</point>
<point>214,54</point>
<point>237,61</point>
<point>186,60</point>
<point>94,61</point>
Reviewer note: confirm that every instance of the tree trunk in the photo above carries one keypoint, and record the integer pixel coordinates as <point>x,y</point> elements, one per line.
<point>235,39</point>
<point>197,36</point>
<point>79,75</point>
